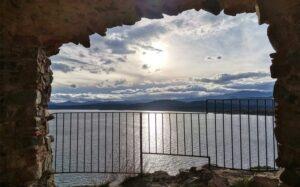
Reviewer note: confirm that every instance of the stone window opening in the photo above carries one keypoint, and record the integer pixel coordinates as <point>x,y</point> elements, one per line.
<point>33,31</point>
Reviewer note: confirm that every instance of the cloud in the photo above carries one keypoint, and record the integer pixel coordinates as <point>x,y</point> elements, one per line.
<point>145,66</point>
<point>108,70</point>
<point>146,32</point>
<point>184,39</point>
<point>118,46</point>
<point>122,89</point>
<point>227,78</point>
<point>81,55</point>
<point>109,61</point>
<point>66,59</point>
<point>62,67</point>
<point>263,86</point>
<point>213,58</point>
<point>121,59</point>
<point>120,82</point>
<point>83,97</point>
<point>149,48</point>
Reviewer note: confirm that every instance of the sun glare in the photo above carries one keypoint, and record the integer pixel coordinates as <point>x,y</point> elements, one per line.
<point>155,58</point>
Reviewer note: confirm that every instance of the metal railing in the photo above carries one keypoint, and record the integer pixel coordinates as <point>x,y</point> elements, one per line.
<point>235,134</point>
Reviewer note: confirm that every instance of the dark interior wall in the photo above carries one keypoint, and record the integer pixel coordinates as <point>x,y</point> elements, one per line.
<point>25,152</point>
<point>32,30</point>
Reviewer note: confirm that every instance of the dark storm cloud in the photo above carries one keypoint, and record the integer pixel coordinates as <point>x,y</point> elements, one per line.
<point>227,78</point>
<point>62,67</point>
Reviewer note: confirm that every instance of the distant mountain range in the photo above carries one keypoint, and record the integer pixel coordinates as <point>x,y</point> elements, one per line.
<point>192,104</point>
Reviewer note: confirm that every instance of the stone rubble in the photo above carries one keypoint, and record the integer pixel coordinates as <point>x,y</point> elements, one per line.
<point>203,177</point>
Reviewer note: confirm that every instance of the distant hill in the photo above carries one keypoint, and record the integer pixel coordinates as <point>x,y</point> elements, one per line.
<point>193,104</point>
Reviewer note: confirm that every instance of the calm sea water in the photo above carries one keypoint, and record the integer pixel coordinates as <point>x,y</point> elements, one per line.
<point>107,148</point>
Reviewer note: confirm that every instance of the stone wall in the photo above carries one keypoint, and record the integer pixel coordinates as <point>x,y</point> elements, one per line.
<point>25,152</point>
<point>284,35</point>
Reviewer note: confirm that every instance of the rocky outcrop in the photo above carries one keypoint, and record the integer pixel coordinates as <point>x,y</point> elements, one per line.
<point>204,177</point>
<point>186,178</point>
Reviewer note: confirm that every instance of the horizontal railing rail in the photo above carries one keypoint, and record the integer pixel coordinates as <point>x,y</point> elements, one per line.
<point>235,134</point>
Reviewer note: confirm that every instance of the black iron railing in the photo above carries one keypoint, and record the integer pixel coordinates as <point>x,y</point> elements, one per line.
<point>236,134</point>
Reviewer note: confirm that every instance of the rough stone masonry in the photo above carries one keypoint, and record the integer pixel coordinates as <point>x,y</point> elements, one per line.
<point>33,30</point>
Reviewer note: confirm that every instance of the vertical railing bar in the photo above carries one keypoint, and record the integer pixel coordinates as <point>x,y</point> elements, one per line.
<point>231,132</point>
<point>98,152</point>
<point>266,136</point>
<point>257,133</point>
<point>119,123</point>
<point>105,131</point>
<point>177,133</point>
<point>199,132</point>
<point>91,165</point>
<point>223,122</point>
<point>206,130</point>
<point>141,143</point>
<point>63,143</point>
<point>70,151</point>
<point>192,134</point>
<point>55,156</point>
<point>216,138</point>
<point>241,141</point>
<point>184,142</point>
<point>249,134</point>
<point>77,136</point>
<point>112,142</point>
<point>170,133</point>
<point>133,142</point>
<point>126,123</point>
<point>149,131</point>
<point>84,130</point>
<point>155,126</point>
<point>162,132</point>
<point>273,124</point>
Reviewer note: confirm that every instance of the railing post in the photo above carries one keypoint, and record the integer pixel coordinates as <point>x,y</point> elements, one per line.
<point>141,143</point>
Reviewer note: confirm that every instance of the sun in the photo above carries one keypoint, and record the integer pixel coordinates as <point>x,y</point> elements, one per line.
<point>155,58</point>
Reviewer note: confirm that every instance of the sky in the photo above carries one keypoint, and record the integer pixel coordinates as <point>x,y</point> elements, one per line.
<point>194,54</point>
